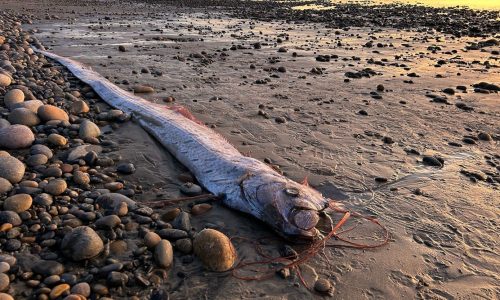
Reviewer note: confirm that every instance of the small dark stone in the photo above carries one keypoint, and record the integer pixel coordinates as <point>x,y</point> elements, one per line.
<point>469,141</point>
<point>280,120</point>
<point>126,168</point>
<point>432,161</point>
<point>48,268</point>
<point>388,140</point>
<point>449,91</point>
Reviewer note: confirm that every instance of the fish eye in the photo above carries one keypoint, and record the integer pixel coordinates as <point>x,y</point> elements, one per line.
<point>291,191</point>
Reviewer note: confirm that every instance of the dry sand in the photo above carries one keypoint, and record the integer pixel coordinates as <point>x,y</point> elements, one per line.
<point>443,225</point>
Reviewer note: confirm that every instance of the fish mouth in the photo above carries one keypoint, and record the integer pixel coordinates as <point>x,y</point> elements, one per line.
<point>304,219</point>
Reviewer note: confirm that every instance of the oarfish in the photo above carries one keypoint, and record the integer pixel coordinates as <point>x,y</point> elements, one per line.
<point>243,183</point>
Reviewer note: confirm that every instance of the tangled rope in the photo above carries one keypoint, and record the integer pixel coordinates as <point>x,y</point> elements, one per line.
<point>295,261</point>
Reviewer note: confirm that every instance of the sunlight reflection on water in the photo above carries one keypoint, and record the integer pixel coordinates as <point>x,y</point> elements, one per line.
<point>475,4</point>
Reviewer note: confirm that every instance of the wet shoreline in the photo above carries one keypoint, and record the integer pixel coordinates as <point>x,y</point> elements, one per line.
<point>392,123</point>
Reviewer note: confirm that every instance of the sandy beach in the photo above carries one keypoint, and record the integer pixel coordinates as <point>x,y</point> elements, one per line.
<point>390,114</point>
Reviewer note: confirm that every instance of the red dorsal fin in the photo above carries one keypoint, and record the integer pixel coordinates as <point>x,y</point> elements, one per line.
<point>305,182</point>
<point>185,112</point>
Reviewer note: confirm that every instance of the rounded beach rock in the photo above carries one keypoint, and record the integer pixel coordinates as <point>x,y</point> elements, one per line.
<point>13,97</point>
<point>10,217</point>
<point>23,116</point>
<point>164,254</point>
<point>215,250</point>
<point>82,243</point>
<point>56,187</point>
<point>4,296</point>
<point>50,112</point>
<point>32,105</point>
<point>151,239</point>
<point>57,139</point>
<point>18,203</point>
<point>140,89</point>
<point>4,282</point>
<point>11,169</point>
<point>81,288</point>
<point>16,137</point>
<point>5,186</point>
<point>89,129</point>
<point>79,107</point>
<point>5,80</point>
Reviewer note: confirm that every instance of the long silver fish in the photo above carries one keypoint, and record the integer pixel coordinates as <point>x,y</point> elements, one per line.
<point>244,183</point>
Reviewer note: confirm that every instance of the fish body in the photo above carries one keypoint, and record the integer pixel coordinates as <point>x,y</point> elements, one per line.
<point>244,183</point>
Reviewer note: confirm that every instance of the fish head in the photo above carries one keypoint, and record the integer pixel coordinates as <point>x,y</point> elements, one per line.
<point>291,208</point>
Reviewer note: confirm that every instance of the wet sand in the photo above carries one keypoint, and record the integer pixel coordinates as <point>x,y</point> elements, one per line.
<point>289,102</point>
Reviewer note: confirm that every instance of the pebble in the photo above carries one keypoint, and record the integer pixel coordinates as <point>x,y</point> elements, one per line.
<point>13,97</point>
<point>199,209</point>
<point>59,290</point>
<point>4,123</point>
<point>125,168</point>
<point>215,250</point>
<point>43,199</point>
<point>172,234</point>
<point>151,239</point>
<point>18,203</point>
<point>79,107</point>
<point>32,105</point>
<point>164,254</point>
<point>182,222</point>
<point>171,214</point>
<point>37,160</point>
<point>114,186</point>
<point>16,137</point>
<point>121,209</point>
<point>184,245</point>
<point>82,243</point>
<point>81,288</point>
<point>89,129</point>
<point>5,186</point>
<point>41,149</point>
<point>469,141</point>
<point>100,289</point>
<point>81,178</point>
<point>112,200</point>
<point>190,189</point>
<point>5,80</point>
<point>56,187</point>
<point>280,120</point>
<point>108,222</point>
<point>432,161</point>
<point>4,267</point>
<point>4,296</point>
<point>11,260</point>
<point>484,136</point>
<point>117,278</point>
<point>143,89</point>
<point>11,169</point>
<point>10,217</point>
<point>323,286</point>
<point>57,140</point>
<point>49,112</point>
<point>4,282</point>
<point>82,151</point>
<point>48,268</point>
<point>23,116</point>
